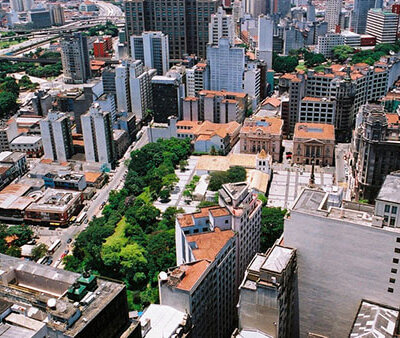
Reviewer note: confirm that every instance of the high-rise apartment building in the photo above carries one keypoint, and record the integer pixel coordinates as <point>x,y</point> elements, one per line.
<point>332,14</point>
<point>98,136</point>
<point>57,15</point>
<point>221,26</point>
<point>122,87</point>
<point>8,132</point>
<point>56,135</point>
<point>185,23</point>
<point>375,147</point>
<point>152,49</point>
<point>345,254</point>
<point>197,78</point>
<point>267,301</point>
<point>359,15</point>
<point>227,66</point>
<point>383,25</point>
<point>75,58</point>
<point>265,39</point>
<point>328,42</point>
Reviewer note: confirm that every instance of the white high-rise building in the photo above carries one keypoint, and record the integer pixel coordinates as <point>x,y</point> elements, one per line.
<point>152,49</point>
<point>57,137</point>
<point>141,92</point>
<point>265,39</point>
<point>227,66</point>
<point>122,87</point>
<point>221,26</point>
<point>328,42</point>
<point>98,136</point>
<point>333,8</point>
<point>197,78</point>
<point>382,25</point>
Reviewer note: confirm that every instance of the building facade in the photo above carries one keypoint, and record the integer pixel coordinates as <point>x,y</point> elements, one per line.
<point>197,78</point>
<point>387,203</point>
<point>262,133</point>
<point>382,25</point>
<point>314,142</point>
<point>317,110</point>
<point>56,135</point>
<point>221,26</point>
<point>360,12</point>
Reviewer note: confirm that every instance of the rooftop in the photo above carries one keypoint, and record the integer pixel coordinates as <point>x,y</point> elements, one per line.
<point>270,125</point>
<point>26,139</point>
<point>209,244</point>
<point>314,130</point>
<point>55,200</point>
<point>192,273</point>
<point>375,320</point>
<point>222,93</point>
<point>223,163</point>
<point>390,190</point>
<point>277,259</point>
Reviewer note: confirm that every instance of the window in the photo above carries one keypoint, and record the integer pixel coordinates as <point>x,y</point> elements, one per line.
<point>392,280</point>
<point>392,221</point>
<point>393,271</point>
<point>390,290</point>
<point>396,250</point>
<point>395,260</point>
<point>398,239</point>
<point>394,210</point>
<point>387,208</point>
<point>195,231</point>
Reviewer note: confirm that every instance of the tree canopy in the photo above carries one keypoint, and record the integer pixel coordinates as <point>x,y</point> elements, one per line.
<point>218,178</point>
<point>284,64</point>
<point>342,53</point>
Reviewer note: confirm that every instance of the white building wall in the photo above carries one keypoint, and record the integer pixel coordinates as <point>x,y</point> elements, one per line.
<point>121,87</point>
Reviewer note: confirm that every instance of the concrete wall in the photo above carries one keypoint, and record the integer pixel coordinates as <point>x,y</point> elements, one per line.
<point>339,264</point>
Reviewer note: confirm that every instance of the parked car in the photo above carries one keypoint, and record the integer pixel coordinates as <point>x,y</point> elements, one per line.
<point>69,240</point>
<point>49,261</point>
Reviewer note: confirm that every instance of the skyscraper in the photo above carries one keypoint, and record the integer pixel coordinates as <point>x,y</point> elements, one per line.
<point>98,136</point>
<point>227,66</point>
<point>57,15</point>
<point>382,25</point>
<point>333,9</point>
<point>221,26</point>
<point>265,39</point>
<point>359,14</point>
<point>281,7</point>
<point>152,48</point>
<point>184,21</point>
<point>75,58</point>
<point>56,137</point>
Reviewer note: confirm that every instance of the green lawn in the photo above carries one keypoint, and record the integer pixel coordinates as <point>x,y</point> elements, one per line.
<point>7,44</point>
<point>119,234</point>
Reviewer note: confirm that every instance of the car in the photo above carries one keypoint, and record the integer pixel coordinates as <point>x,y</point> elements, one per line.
<point>50,260</point>
<point>66,252</point>
<point>69,240</point>
<point>86,221</point>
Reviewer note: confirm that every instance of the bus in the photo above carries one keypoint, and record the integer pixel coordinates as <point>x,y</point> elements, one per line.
<point>54,247</point>
<point>81,218</point>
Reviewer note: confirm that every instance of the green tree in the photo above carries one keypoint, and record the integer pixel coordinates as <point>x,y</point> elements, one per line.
<point>236,174</point>
<point>313,59</point>
<point>39,251</point>
<point>165,194</point>
<point>272,220</point>
<point>342,53</point>
<point>284,64</point>
<point>8,103</point>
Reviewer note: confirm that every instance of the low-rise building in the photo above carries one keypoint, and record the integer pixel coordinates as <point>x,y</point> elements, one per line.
<point>207,136</point>
<point>314,141</point>
<point>215,106</point>
<point>14,199</point>
<point>72,181</point>
<point>267,294</point>
<point>328,42</point>
<point>43,301</point>
<point>260,133</point>
<point>54,207</point>
<point>317,110</point>
<point>12,165</point>
<point>31,145</point>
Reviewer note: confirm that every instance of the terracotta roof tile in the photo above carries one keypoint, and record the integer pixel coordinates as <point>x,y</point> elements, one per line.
<point>392,118</point>
<point>193,272</point>
<point>314,130</point>
<point>92,176</point>
<point>270,125</point>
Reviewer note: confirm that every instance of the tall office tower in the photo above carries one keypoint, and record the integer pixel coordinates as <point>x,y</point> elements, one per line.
<point>293,39</point>
<point>28,5</point>
<point>245,209</point>
<point>152,48</point>
<point>333,10</point>
<point>186,25</point>
<point>256,8</point>
<point>359,15</point>
<point>122,87</point>
<point>375,147</point>
<point>98,136</point>
<point>221,26</point>
<point>265,39</point>
<point>267,301</point>
<point>346,254</point>
<point>310,11</point>
<point>227,66</point>
<point>280,7</point>
<point>237,11</point>
<point>57,137</point>
<point>197,78</point>
<point>108,80</point>
<point>57,15</point>
<point>141,90</point>
<point>75,58</point>
<point>252,82</point>
<point>382,25</point>
<point>17,5</point>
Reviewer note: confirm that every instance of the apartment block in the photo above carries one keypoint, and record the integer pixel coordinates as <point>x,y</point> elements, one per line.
<point>98,136</point>
<point>215,106</point>
<point>30,144</point>
<point>197,79</point>
<point>382,25</point>
<point>314,142</point>
<point>152,49</point>
<point>8,132</point>
<point>262,133</point>
<point>317,110</point>
<point>267,301</point>
<point>12,165</point>
<point>221,26</point>
<point>338,248</point>
<point>56,135</point>
<point>333,9</point>
<point>68,304</point>
<point>328,42</point>
<point>375,149</point>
